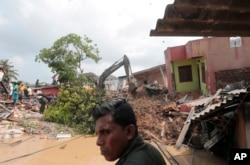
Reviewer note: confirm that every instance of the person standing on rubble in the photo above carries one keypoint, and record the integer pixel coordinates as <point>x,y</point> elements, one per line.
<point>22,87</point>
<point>118,137</point>
<point>43,101</point>
<point>15,86</point>
<point>29,90</point>
<point>15,96</point>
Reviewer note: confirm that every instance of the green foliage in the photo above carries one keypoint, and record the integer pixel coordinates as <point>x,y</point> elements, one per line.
<point>74,103</point>
<point>11,72</point>
<point>73,107</point>
<point>66,55</point>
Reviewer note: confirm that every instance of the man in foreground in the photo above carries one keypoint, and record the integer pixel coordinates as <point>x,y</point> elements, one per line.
<point>118,136</point>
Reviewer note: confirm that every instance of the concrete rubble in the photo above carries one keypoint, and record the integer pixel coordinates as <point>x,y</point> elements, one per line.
<point>26,119</point>
<point>185,119</point>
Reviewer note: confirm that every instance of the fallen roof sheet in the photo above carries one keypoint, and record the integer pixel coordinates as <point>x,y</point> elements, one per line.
<point>229,100</point>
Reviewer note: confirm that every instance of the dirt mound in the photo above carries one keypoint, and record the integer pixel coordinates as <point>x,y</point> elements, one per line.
<point>157,121</point>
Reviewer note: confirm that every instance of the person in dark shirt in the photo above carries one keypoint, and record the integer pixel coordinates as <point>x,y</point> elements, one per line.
<point>43,102</point>
<point>118,137</point>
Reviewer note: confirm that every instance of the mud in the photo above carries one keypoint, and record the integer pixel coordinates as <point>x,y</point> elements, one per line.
<point>38,150</point>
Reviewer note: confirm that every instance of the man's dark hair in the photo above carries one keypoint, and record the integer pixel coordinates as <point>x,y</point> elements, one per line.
<point>121,111</point>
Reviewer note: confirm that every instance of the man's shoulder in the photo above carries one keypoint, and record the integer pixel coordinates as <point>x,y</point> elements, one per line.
<point>146,154</point>
<point>147,149</point>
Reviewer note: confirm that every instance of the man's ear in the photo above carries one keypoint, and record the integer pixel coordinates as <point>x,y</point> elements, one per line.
<point>130,131</point>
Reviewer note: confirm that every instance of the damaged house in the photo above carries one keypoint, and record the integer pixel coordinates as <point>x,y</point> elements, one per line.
<point>150,75</point>
<point>219,122</point>
<point>148,78</point>
<point>152,79</point>
<point>208,64</point>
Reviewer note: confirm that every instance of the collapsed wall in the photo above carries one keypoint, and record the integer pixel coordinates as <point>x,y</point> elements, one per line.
<point>233,76</point>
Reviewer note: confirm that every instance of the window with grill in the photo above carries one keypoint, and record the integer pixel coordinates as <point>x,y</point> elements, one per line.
<point>185,73</point>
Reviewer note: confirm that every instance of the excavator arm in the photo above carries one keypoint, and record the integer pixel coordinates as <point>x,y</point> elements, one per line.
<point>123,61</point>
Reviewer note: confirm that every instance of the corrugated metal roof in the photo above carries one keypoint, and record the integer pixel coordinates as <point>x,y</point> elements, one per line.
<point>227,99</point>
<point>206,111</point>
<point>227,102</point>
<point>205,18</point>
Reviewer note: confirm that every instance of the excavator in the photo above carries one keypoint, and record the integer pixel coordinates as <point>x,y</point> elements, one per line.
<point>124,61</point>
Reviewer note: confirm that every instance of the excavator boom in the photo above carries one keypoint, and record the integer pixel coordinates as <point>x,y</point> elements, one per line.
<point>123,61</point>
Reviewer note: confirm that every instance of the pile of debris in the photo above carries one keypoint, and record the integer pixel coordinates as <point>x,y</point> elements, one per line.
<point>158,118</point>
<point>26,119</point>
<point>158,114</point>
<point>189,119</point>
<point>23,107</point>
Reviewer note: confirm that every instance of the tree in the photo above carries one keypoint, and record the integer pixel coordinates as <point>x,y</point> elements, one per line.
<point>11,73</point>
<point>73,107</point>
<point>74,103</point>
<point>66,55</point>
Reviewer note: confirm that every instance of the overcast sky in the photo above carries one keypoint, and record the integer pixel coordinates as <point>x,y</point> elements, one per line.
<point>118,27</point>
